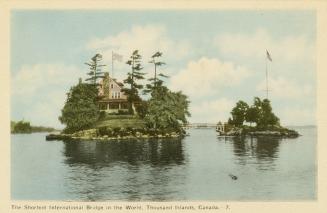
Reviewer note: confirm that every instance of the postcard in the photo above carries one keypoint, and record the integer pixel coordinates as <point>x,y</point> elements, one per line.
<point>179,106</point>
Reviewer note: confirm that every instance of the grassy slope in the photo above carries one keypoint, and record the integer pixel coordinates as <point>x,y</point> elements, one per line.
<point>122,121</point>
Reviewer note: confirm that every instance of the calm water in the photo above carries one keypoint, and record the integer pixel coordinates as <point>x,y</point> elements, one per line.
<point>194,168</point>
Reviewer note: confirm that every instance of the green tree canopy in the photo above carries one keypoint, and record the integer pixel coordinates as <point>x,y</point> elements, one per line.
<point>260,113</point>
<point>167,109</point>
<point>239,113</point>
<point>21,127</point>
<point>80,110</point>
<point>266,116</point>
<point>252,115</point>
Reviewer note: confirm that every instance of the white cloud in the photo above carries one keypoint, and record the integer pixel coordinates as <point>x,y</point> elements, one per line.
<point>291,48</point>
<point>286,89</point>
<point>206,76</point>
<point>147,39</point>
<point>39,92</point>
<point>211,111</point>
<point>297,116</point>
<point>31,79</point>
<point>46,112</point>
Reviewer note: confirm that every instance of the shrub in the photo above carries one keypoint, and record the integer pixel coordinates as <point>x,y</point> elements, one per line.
<point>116,131</point>
<point>102,115</point>
<point>80,110</point>
<point>104,130</point>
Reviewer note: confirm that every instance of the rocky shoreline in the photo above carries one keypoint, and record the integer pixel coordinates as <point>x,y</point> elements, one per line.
<point>95,134</point>
<point>277,132</point>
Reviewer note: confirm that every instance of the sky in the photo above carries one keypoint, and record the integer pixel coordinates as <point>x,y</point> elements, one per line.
<point>215,57</point>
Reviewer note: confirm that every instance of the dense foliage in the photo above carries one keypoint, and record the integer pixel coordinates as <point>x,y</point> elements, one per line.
<point>26,127</point>
<point>259,113</point>
<point>265,116</point>
<point>166,109</point>
<point>239,113</point>
<point>21,127</point>
<point>81,108</point>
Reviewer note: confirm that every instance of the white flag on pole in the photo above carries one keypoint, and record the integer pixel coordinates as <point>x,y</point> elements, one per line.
<point>268,55</point>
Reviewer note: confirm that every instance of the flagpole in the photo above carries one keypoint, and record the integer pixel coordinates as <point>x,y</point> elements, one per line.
<point>112,64</point>
<point>266,79</point>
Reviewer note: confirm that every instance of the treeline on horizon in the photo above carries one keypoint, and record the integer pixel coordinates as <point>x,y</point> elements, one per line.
<point>25,127</point>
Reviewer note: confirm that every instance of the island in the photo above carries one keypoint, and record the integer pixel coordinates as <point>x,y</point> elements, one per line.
<point>25,127</point>
<point>255,120</point>
<point>102,108</point>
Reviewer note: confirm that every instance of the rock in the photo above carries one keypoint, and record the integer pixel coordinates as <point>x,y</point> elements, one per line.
<point>277,132</point>
<point>233,177</point>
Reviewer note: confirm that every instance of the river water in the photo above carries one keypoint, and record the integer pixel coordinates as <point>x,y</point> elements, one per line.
<point>194,168</point>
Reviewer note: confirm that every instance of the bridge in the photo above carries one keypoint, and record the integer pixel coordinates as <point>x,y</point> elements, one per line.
<point>200,125</point>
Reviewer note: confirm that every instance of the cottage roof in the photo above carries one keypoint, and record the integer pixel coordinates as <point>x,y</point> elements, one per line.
<point>118,83</point>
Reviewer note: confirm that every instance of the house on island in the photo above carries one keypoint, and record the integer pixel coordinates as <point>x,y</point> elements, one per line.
<point>112,99</point>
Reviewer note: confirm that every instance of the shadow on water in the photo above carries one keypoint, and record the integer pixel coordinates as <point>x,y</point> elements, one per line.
<point>124,170</point>
<point>158,152</point>
<point>255,150</point>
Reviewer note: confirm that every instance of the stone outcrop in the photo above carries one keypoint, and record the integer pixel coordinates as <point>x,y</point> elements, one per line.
<point>276,132</point>
<point>114,134</point>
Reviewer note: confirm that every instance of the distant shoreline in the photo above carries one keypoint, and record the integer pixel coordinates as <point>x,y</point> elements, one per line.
<point>24,127</point>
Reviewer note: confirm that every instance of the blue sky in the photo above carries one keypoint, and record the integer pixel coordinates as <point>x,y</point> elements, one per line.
<point>215,57</point>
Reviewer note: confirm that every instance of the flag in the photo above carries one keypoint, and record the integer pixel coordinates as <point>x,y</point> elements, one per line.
<point>117,57</point>
<point>268,55</point>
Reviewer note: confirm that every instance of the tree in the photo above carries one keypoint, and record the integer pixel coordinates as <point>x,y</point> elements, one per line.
<point>95,69</point>
<point>80,110</point>
<point>22,127</point>
<point>252,115</point>
<point>267,116</point>
<point>254,112</point>
<point>155,81</point>
<point>264,114</point>
<point>239,113</point>
<point>166,109</point>
<point>132,78</point>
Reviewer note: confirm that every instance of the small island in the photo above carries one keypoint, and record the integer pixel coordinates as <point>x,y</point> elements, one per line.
<point>25,127</point>
<point>102,108</point>
<point>260,119</point>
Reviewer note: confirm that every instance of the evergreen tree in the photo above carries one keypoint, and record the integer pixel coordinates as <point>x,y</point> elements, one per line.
<point>95,69</point>
<point>156,81</point>
<point>132,77</point>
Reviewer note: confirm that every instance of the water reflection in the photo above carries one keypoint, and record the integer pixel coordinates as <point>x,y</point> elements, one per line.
<point>261,151</point>
<point>195,168</point>
<point>154,151</point>
<point>125,170</point>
